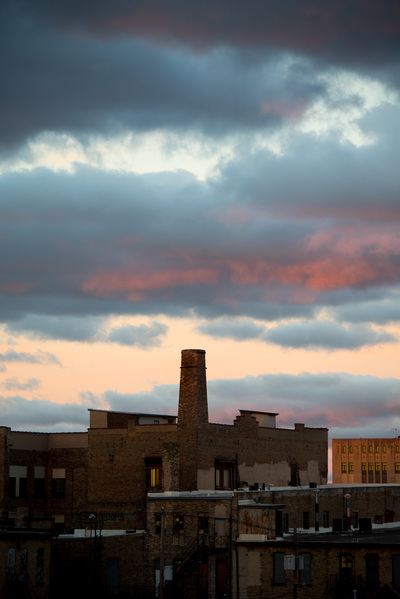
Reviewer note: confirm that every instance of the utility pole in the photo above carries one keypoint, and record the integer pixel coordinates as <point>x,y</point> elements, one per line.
<point>161,589</point>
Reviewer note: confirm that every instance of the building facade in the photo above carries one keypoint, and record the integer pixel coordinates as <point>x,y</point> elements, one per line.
<point>361,461</point>
<point>107,472</point>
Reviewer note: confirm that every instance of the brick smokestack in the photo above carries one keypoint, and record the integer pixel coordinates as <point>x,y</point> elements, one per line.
<point>193,408</point>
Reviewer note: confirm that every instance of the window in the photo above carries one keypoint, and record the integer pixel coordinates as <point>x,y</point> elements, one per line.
<point>58,483</point>
<point>179,523</point>
<point>364,467</point>
<point>370,467</point>
<point>351,449</point>
<point>224,475</point>
<point>397,467</point>
<point>344,467</point>
<point>377,449</point>
<point>396,571</point>
<point>372,568</point>
<point>345,564</point>
<point>384,448</point>
<point>285,522</point>
<point>306,519</point>
<point>157,523</point>
<point>202,523</point>
<point>279,570</point>
<point>17,481</point>
<point>344,449</point>
<point>364,449</point>
<point>377,467</point>
<point>384,467</point>
<point>351,467</point>
<point>325,519</point>
<point>38,489</point>
<point>153,474</point>
<point>40,567</point>
<point>11,564</point>
<point>371,449</point>
<point>397,448</point>
<point>305,574</point>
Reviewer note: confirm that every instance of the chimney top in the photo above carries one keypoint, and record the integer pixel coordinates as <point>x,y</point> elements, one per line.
<point>193,408</point>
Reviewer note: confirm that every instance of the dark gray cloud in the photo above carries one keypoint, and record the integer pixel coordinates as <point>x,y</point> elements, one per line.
<point>53,81</point>
<point>349,31</point>
<point>41,357</point>
<point>143,336</point>
<point>326,335</point>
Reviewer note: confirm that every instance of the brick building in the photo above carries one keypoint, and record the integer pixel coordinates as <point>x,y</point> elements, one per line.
<point>360,461</point>
<point>107,472</point>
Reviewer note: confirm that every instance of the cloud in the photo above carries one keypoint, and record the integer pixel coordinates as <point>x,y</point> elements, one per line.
<point>58,327</point>
<point>348,405</point>
<point>326,335</point>
<point>240,330</point>
<point>13,384</point>
<point>42,415</point>
<point>143,336</point>
<point>346,32</point>
<point>40,357</point>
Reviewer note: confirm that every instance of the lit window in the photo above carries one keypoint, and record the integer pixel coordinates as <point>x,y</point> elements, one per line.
<point>344,467</point>
<point>371,449</point>
<point>377,467</point>
<point>370,467</point>
<point>351,467</point>
<point>346,564</point>
<point>377,449</point>
<point>363,467</point>
<point>384,448</point>
<point>364,449</point>
<point>397,449</point>
<point>344,449</point>
<point>397,467</point>
<point>351,449</point>
<point>384,467</point>
<point>154,474</point>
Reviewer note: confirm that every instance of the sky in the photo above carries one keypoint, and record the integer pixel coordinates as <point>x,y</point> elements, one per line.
<point>216,175</point>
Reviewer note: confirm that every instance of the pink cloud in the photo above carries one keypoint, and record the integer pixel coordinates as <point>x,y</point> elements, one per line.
<point>136,284</point>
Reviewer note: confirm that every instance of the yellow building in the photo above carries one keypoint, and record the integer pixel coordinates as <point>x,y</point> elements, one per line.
<point>363,461</point>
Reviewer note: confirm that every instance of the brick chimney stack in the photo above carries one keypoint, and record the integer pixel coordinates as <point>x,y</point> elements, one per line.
<point>193,408</point>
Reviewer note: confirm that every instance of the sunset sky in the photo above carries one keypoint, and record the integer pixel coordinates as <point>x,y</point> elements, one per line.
<point>222,175</point>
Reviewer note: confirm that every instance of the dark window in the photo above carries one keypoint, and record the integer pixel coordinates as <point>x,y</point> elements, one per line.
<point>179,523</point>
<point>305,574</point>
<point>23,566</point>
<point>154,475</point>
<point>202,524</point>
<point>306,519</point>
<point>294,475</point>
<point>12,486</point>
<point>372,568</point>
<point>396,571</point>
<point>40,567</point>
<point>279,568</point>
<point>285,522</point>
<point>224,475</point>
<point>157,523</point>
<point>325,519</point>
<point>355,519</point>
<point>58,488</point>
<point>38,489</point>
